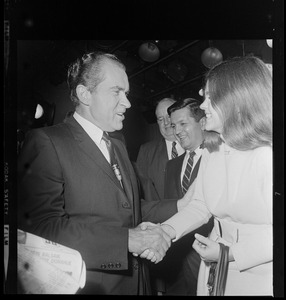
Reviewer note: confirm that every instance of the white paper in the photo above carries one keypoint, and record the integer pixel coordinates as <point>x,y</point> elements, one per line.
<point>45,267</point>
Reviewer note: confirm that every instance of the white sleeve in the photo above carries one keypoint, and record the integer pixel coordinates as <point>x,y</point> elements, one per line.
<point>195,213</point>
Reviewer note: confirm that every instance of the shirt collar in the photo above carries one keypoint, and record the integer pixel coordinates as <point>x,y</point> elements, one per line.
<point>198,151</point>
<point>92,130</point>
<point>170,142</point>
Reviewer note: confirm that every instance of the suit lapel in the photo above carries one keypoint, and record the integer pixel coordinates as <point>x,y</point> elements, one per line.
<point>178,174</point>
<point>159,163</point>
<point>129,180</point>
<point>163,152</point>
<point>195,171</point>
<point>124,173</point>
<point>90,148</point>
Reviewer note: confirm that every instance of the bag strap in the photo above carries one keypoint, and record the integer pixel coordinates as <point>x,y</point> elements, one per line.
<point>221,271</point>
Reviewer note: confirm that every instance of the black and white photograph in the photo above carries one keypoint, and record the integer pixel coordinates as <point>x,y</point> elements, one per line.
<point>142,166</point>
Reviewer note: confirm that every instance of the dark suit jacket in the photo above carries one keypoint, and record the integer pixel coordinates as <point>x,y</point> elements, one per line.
<point>69,194</point>
<point>151,162</point>
<point>173,186</point>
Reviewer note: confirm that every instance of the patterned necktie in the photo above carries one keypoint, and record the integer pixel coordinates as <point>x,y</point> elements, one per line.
<point>174,152</point>
<point>113,161</point>
<point>187,175</point>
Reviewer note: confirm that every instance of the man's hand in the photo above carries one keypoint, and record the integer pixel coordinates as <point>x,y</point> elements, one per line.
<point>151,237</point>
<point>151,253</point>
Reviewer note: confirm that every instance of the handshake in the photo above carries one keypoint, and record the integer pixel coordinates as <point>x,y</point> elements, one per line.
<point>150,241</point>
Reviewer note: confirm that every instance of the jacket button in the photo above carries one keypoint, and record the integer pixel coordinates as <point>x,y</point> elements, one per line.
<point>135,266</point>
<point>118,265</point>
<point>103,266</point>
<point>125,204</point>
<point>110,265</point>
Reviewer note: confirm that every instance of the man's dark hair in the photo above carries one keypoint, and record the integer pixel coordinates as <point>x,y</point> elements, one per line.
<point>192,104</point>
<point>87,71</point>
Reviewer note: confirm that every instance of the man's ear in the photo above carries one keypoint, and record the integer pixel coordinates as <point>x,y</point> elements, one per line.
<point>203,123</point>
<point>83,94</point>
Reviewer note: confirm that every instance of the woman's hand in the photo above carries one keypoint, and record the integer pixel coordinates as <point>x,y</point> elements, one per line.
<point>150,253</point>
<point>206,248</point>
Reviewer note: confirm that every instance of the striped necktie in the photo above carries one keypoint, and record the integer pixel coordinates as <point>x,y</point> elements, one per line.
<point>174,152</point>
<point>187,174</point>
<point>113,161</point>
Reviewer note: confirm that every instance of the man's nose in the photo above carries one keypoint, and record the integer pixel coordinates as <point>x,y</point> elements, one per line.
<point>167,120</point>
<point>177,130</point>
<point>125,101</point>
<point>203,105</point>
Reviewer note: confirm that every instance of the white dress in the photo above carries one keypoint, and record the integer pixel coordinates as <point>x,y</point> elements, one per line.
<point>236,188</point>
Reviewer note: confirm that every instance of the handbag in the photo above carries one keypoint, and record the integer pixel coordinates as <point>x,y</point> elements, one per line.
<point>218,273</point>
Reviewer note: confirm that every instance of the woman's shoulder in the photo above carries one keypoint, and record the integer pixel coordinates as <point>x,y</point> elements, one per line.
<point>265,151</point>
<point>262,157</point>
<point>264,160</point>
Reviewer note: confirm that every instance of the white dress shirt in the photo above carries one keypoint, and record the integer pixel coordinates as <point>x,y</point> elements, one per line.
<point>94,132</point>
<point>179,148</point>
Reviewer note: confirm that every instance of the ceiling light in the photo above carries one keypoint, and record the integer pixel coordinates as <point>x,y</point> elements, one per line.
<point>149,52</point>
<point>211,56</point>
<point>39,111</point>
<point>269,43</point>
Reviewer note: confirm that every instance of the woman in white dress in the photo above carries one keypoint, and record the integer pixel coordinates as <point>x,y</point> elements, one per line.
<point>234,184</point>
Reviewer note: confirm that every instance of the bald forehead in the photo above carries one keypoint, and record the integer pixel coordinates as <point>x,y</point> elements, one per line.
<point>164,104</point>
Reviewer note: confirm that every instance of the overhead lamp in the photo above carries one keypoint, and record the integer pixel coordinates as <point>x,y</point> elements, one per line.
<point>39,111</point>
<point>149,52</point>
<point>44,115</point>
<point>211,57</point>
<point>269,43</point>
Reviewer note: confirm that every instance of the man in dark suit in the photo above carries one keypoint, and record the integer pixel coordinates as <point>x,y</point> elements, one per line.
<point>154,155</point>
<point>77,186</point>
<point>187,121</point>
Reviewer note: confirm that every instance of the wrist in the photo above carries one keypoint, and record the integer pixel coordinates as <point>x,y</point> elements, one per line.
<point>132,246</point>
<point>169,230</point>
<point>180,204</point>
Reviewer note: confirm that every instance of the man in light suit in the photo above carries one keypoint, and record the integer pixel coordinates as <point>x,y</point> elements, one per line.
<point>154,155</point>
<point>70,194</point>
<point>187,121</point>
